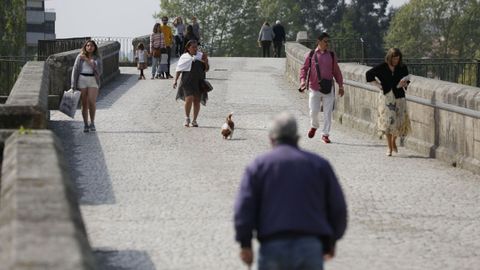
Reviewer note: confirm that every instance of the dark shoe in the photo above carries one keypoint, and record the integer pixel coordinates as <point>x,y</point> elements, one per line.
<point>85,128</point>
<point>92,127</point>
<point>169,76</point>
<point>325,139</point>
<point>311,132</point>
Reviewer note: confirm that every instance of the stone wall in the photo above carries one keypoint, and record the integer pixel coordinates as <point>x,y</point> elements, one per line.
<point>40,222</point>
<point>445,116</point>
<point>27,104</point>
<point>60,69</point>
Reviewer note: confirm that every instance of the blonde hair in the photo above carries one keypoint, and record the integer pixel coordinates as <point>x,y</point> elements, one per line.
<point>84,48</point>
<point>393,52</point>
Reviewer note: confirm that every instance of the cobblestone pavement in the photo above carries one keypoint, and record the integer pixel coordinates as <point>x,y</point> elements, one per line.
<point>157,195</point>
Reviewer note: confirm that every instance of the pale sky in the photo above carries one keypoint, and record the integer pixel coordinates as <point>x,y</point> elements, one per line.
<point>111,18</point>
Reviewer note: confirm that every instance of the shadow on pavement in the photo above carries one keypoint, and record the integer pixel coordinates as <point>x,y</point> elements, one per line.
<point>359,144</point>
<point>123,260</point>
<point>114,90</point>
<point>86,163</point>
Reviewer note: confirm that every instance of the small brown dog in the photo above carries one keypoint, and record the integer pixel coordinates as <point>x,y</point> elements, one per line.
<point>228,127</point>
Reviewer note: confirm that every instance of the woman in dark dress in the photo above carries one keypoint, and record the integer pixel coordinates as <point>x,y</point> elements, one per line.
<point>392,78</point>
<point>192,66</point>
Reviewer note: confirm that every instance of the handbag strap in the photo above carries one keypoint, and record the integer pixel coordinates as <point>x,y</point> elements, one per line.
<point>318,66</point>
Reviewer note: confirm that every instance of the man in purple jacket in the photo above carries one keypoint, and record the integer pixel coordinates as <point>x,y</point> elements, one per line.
<point>291,200</point>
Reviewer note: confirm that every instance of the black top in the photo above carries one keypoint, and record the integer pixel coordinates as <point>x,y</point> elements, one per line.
<point>388,79</point>
<point>279,32</point>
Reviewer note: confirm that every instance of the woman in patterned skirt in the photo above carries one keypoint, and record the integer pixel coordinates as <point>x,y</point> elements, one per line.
<point>392,78</point>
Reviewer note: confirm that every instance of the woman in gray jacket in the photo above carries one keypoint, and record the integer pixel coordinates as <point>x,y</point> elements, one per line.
<point>86,77</point>
<point>265,38</point>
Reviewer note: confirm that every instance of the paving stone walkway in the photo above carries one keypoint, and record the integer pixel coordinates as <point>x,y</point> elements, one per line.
<point>157,195</point>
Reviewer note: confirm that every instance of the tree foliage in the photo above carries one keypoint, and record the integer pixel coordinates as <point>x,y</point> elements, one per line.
<point>231,27</point>
<point>436,28</point>
<point>12,27</point>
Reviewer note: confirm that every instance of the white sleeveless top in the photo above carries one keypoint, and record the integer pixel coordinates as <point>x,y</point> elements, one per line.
<point>86,68</point>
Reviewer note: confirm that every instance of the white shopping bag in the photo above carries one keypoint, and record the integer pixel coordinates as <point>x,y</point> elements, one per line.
<point>69,102</point>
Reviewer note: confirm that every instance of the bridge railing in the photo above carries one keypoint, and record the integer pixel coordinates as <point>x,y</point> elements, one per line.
<point>463,71</point>
<point>49,47</point>
<point>445,116</point>
<point>9,70</point>
<point>127,51</point>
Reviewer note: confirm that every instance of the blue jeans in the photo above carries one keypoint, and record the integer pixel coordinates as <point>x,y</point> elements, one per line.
<point>300,253</point>
<point>155,66</point>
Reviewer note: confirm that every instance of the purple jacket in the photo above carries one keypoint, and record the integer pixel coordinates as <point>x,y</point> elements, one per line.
<point>289,191</point>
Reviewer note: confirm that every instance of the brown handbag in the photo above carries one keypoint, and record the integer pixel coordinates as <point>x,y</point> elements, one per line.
<point>156,52</point>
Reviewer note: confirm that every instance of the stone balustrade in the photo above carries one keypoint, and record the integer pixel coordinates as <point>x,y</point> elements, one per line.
<point>445,116</point>
<point>40,222</point>
<point>27,103</point>
<point>60,69</point>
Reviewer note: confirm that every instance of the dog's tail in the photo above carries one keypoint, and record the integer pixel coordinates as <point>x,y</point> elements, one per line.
<point>229,117</point>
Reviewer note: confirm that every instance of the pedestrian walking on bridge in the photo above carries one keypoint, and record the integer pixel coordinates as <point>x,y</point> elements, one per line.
<point>192,66</point>
<point>293,203</point>
<point>393,79</point>
<point>86,73</point>
<point>319,69</point>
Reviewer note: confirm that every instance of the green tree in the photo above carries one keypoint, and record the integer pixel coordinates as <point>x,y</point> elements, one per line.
<point>436,28</point>
<point>321,15</point>
<point>12,27</point>
<point>369,18</point>
<point>231,27</point>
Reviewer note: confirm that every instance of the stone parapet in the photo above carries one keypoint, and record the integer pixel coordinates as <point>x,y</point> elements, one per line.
<point>40,222</point>
<point>60,69</point>
<point>27,104</point>
<point>445,116</point>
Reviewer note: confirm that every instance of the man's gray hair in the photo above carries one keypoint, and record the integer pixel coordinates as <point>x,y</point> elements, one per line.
<point>283,128</point>
<point>277,22</point>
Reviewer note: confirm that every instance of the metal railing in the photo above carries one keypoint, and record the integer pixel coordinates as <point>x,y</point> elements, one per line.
<point>10,67</point>
<point>423,101</point>
<point>463,71</point>
<point>49,47</point>
<point>127,52</point>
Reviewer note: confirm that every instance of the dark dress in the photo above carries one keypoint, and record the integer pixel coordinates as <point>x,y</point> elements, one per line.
<point>190,83</point>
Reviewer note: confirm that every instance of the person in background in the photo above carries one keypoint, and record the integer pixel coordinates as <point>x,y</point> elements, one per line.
<point>192,66</point>
<point>318,96</point>
<point>392,78</point>
<point>163,63</point>
<point>278,39</point>
<point>265,38</point>
<point>86,73</point>
<point>291,200</point>
<point>196,28</point>
<point>157,42</point>
<point>179,33</point>
<point>168,36</point>
<point>189,35</point>
<point>141,56</point>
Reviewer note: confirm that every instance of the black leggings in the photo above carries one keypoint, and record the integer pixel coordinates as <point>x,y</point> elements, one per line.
<point>266,44</point>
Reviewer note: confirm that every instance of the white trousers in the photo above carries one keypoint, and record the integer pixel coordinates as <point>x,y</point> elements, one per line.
<point>315,101</point>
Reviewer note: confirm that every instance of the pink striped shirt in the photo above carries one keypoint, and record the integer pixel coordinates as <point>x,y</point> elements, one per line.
<point>326,72</point>
<point>156,41</point>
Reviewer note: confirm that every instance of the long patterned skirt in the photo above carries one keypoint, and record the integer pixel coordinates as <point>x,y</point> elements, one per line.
<point>392,115</point>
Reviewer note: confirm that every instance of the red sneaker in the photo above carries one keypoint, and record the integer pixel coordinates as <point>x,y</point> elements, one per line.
<point>311,132</point>
<point>325,139</point>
